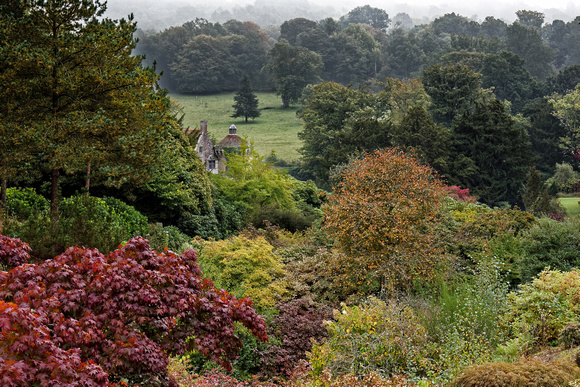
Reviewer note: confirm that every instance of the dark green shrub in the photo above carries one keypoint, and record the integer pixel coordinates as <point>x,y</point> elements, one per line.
<point>521,373</point>
<point>549,244</point>
<point>132,221</point>
<point>291,219</point>
<point>83,220</point>
<point>570,335</point>
<point>89,221</point>
<point>224,219</point>
<point>23,202</point>
<point>167,237</point>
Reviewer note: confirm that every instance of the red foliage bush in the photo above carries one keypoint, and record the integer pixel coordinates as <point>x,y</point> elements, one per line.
<point>13,252</point>
<point>28,356</point>
<point>126,311</point>
<point>298,324</point>
<point>459,194</point>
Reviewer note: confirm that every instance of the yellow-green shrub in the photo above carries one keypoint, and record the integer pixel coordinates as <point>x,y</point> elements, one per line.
<point>541,309</point>
<point>522,373</point>
<point>377,336</point>
<point>245,267</point>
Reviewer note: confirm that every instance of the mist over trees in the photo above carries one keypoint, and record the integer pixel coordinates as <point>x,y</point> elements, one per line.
<point>365,45</point>
<point>154,15</point>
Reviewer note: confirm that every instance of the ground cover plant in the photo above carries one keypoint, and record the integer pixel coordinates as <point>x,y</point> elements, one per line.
<point>275,130</point>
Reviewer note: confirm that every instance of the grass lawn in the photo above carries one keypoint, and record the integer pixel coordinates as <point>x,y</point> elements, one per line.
<point>275,130</point>
<point>571,205</point>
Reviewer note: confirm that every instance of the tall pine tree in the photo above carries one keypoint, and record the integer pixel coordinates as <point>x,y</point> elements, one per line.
<point>491,154</point>
<point>87,103</point>
<point>246,101</point>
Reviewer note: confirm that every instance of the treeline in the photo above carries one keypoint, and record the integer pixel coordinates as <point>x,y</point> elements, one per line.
<point>366,45</point>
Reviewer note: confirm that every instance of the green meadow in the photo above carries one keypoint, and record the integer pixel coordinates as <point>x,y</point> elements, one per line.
<point>571,205</point>
<point>275,130</point>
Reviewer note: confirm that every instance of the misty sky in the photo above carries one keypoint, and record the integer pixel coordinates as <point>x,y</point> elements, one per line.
<point>172,12</point>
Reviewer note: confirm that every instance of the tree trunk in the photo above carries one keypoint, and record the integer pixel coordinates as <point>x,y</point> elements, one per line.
<point>3,193</point>
<point>285,103</point>
<point>54,199</point>
<point>88,181</point>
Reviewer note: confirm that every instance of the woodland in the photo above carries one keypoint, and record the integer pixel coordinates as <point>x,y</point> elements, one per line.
<point>421,239</point>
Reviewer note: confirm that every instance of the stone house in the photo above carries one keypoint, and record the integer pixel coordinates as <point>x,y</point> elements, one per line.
<point>213,157</point>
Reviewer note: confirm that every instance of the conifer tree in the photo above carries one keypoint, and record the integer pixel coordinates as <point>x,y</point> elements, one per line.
<point>68,78</point>
<point>246,101</point>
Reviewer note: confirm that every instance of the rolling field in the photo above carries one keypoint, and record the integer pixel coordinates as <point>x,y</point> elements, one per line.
<point>571,205</point>
<point>276,129</point>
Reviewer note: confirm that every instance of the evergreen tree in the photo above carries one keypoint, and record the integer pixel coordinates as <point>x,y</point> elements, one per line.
<point>417,131</point>
<point>492,154</point>
<point>536,198</point>
<point>246,101</point>
<point>453,90</point>
<point>80,93</point>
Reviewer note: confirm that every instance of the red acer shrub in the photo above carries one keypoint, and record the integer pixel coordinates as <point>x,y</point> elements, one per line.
<point>28,356</point>
<point>459,194</point>
<point>126,311</point>
<point>299,323</point>
<point>13,252</point>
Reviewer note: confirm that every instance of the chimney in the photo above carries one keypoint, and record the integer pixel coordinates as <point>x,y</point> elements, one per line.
<point>203,127</point>
<point>233,129</point>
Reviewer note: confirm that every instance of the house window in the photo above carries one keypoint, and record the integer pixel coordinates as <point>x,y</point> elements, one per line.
<point>211,164</point>
<point>200,149</point>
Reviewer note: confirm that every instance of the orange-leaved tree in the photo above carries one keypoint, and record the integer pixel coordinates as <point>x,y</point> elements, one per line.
<point>384,216</point>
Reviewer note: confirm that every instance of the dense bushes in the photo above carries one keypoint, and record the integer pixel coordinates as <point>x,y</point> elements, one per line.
<point>23,202</point>
<point>123,312</point>
<point>570,336</point>
<point>298,325</point>
<point>101,223</point>
<point>522,373</point>
<point>549,244</point>
<point>386,338</point>
<point>30,356</point>
<point>539,310</point>
<point>247,267</point>
<point>13,252</point>
<point>267,193</point>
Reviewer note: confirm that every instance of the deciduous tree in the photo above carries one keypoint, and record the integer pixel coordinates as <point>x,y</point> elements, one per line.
<point>292,68</point>
<point>567,109</point>
<point>375,17</point>
<point>382,216</point>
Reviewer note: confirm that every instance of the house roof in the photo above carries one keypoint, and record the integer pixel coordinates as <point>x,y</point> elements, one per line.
<point>231,141</point>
